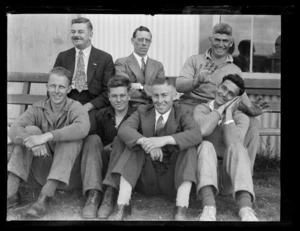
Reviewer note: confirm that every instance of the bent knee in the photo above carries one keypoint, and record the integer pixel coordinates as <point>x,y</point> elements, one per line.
<point>33,130</point>
<point>205,148</point>
<point>91,139</point>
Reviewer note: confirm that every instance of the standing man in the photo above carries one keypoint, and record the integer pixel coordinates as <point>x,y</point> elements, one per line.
<point>202,73</point>
<point>224,165</point>
<point>47,140</point>
<point>138,67</point>
<point>159,156</point>
<point>91,68</point>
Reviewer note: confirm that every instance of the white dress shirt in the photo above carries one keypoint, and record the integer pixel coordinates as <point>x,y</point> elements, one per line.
<point>86,55</point>
<point>165,116</point>
<point>139,59</point>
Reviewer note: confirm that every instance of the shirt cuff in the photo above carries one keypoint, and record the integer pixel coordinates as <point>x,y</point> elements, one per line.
<point>229,122</point>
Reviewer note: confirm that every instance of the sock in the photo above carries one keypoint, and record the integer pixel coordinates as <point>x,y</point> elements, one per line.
<point>183,194</point>
<point>50,187</point>
<point>243,199</point>
<point>125,192</point>
<point>13,182</point>
<point>207,196</point>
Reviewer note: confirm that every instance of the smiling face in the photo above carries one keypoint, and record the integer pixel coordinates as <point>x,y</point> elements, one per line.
<point>163,96</point>
<point>220,44</point>
<point>141,43</point>
<point>225,92</point>
<point>81,35</point>
<point>119,98</point>
<point>58,87</point>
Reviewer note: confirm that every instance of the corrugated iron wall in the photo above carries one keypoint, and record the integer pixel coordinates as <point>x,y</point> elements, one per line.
<point>174,37</point>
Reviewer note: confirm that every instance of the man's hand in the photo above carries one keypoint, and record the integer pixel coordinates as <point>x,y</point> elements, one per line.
<point>156,154</point>
<point>40,150</point>
<point>88,106</point>
<point>35,140</point>
<point>233,106</point>
<point>258,107</point>
<point>204,74</point>
<point>223,107</point>
<point>153,142</point>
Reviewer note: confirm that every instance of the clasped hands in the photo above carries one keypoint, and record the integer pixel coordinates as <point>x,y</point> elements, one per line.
<point>36,143</point>
<point>152,146</point>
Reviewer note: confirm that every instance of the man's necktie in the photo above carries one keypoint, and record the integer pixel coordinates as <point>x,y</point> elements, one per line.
<point>159,124</point>
<point>79,78</point>
<point>143,67</point>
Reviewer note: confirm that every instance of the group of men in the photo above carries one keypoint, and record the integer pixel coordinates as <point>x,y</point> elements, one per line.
<point>112,128</point>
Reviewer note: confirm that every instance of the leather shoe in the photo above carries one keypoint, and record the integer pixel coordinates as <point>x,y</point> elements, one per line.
<point>13,200</point>
<point>120,212</point>
<point>108,203</point>
<point>180,213</point>
<point>40,207</point>
<point>92,204</point>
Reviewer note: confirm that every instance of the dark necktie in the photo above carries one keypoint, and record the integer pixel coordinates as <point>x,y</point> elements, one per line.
<point>79,79</point>
<point>143,67</point>
<point>159,124</point>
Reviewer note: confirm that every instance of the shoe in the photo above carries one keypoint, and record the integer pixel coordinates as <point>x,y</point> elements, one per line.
<point>92,203</point>
<point>40,207</point>
<point>208,214</point>
<point>108,203</point>
<point>120,212</point>
<point>180,213</point>
<point>247,214</point>
<point>13,200</point>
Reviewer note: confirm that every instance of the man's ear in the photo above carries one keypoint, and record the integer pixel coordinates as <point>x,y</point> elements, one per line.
<point>132,41</point>
<point>69,89</point>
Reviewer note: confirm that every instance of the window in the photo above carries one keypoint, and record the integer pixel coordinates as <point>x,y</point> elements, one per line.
<point>263,34</point>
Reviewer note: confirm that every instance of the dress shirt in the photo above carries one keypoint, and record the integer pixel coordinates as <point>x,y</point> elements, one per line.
<point>139,59</point>
<point>165,116</point>
<point>86,55</point>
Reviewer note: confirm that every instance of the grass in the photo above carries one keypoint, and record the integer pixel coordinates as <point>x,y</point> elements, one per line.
<point>68,205</point>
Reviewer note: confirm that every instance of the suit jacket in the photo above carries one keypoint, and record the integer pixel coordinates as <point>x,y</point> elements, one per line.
<point>100,69</point>
<point>129,67</point>
<point>180,125</point>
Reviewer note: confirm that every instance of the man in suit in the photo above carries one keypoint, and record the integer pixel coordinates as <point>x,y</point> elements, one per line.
<point>160,152</point>
<point>224,165</point>
<point>138,67</point>
<point>91,69</point>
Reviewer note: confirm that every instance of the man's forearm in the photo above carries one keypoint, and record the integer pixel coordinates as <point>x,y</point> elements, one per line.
<point>184,84</point>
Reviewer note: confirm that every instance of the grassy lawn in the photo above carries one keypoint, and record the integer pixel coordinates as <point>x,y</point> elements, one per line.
<point>68,205</point>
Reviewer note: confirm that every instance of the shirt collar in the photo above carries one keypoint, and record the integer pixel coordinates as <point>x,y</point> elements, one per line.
<point>165,115</point>
<point>86,51</point>
<point>46,105</point>
<point>139,58</point>
<point>229,58</point>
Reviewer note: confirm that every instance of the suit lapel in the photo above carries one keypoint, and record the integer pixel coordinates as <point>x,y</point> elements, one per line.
<point>172,123</point>
<point>135,68</point>
<point>92,64</point>
<point>71,59</point>
<point>149,71</point>
<point>148,123</point>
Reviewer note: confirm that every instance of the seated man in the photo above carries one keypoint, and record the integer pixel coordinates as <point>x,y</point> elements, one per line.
<point>224,165</point>
<point>47,140</point>
<point>108,120</point>
<point>160,153</point>
<point>139,67</point>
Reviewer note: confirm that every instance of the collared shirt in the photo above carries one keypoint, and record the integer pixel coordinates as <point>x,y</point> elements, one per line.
<point>72,123</point>
<point>139,59</point>
<point>86,55</point>
<point>165,116</point>
<point>106,123</point>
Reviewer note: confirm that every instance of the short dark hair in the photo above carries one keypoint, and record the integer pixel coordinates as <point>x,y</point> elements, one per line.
<point>237,80</point>
<point>222,28</point>
<point>141,28</point>
<point>61,72</point>
<point>83,20</point>
<point>119,81</point>
<point>164,80</point>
